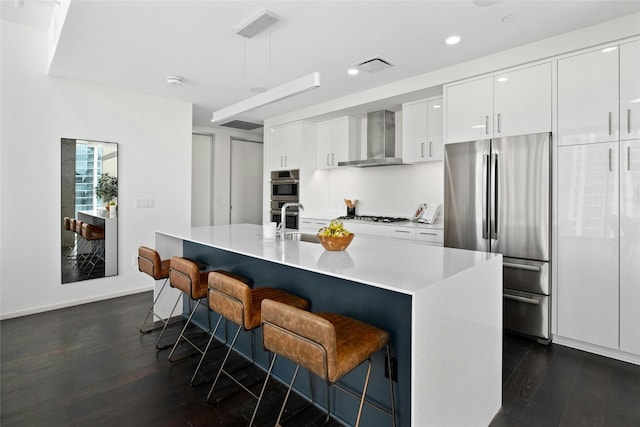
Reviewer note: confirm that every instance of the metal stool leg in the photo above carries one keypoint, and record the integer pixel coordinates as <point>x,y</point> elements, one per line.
<point>204,353</point>
<point>286,397</point>
<point>152,311</point>
<point>193,311</point>
<point>165,325</point>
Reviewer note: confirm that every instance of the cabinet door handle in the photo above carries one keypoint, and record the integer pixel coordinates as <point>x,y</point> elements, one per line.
<point>428,234</point>
<point>285,160</point>
<point>402,231</point>
<point>609,122</point>
<point>333,161</point>
<point>628,120</point>
<point>499,122</point>
<point>610,156</point>
<point>422,149</point>
<point>486,125</point>
<point>629,158</point>
<point>430,149</point>
<point>328,164</point>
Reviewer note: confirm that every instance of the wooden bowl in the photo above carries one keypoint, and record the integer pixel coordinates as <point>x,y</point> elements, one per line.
<point>336,243</point>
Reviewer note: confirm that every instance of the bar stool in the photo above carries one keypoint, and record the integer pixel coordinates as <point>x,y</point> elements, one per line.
<point>236,302</point>
<point>67,226</point>
<point>149,262</point>
<point>185,275</point>
<point>94,236</point>
<point>327,344</point>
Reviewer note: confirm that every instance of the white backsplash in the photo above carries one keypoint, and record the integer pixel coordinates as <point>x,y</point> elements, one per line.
<point>388,190</point>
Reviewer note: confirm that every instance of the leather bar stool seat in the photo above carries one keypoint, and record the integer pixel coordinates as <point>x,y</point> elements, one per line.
<point>327,344</point>
<point>149,262</point>
<point>187,276</point>
<point>239,304</point>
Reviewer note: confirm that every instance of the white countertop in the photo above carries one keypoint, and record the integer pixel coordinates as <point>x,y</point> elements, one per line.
<point>389,264</point>
<point>100,213</point>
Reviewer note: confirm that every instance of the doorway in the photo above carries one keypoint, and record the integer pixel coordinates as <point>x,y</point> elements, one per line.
<point>246,181</point>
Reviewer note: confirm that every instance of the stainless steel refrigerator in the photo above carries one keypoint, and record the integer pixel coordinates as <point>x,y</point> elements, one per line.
<point>497,199</point>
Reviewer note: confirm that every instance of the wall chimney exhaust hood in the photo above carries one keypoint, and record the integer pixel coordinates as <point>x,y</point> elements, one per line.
<point>381,141</point>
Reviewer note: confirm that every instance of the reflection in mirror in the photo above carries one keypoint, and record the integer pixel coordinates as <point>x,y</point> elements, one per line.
<point>89,214</point>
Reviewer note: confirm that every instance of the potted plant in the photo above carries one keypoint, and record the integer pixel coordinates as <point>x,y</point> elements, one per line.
<point>107,189</point>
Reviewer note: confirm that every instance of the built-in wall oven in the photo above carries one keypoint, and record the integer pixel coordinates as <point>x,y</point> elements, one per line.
<point>285,186</point>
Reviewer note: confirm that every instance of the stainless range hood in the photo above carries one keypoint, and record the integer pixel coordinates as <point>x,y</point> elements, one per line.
<point>381,141</point>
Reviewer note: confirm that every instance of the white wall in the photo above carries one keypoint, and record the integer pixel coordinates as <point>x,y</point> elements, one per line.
<point>222,171</point>
<point>154,137</point>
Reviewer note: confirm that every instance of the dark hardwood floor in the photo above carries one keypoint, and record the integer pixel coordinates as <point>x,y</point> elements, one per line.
<point>88,365</point>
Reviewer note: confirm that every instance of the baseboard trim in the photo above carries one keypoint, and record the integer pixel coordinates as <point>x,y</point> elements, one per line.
<point>596,349</point>
<point>72,303</point>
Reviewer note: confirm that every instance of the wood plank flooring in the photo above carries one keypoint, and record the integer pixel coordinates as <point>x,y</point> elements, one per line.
<point>88,365</point>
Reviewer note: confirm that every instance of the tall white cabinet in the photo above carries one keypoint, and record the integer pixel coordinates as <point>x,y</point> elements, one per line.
<point>598,193</point>
<point>515,102</point>
<point>288,142</point>
<point>422,131</point>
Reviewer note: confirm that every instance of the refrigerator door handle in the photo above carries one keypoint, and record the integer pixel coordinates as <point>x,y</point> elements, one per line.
<point>522,266</point>
<point>485,195</point>
<point>494,197</point>
<point>521,299</point>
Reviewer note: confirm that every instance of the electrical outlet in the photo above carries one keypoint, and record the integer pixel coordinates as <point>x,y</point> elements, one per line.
<point>394,368</point>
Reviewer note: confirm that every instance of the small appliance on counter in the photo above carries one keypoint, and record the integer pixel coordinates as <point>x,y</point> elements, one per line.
<point>426,213</point>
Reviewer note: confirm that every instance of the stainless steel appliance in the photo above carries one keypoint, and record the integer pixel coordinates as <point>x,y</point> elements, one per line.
<point>381,142</point>
<point>497,199</point>
<point>285,189</point>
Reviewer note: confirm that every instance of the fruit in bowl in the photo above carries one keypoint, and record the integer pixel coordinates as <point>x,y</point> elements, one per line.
<point>335,237</point>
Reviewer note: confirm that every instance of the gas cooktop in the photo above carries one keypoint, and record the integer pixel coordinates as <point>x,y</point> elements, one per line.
<point>372,218</point>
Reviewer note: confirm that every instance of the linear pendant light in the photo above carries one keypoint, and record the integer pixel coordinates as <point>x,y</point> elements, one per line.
<point>295,87</point>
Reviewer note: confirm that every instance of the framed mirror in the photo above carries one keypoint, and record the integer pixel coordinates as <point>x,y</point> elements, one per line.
<point>89,209</point>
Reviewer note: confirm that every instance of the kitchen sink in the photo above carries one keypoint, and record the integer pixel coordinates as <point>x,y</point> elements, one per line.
<point>302,237</point>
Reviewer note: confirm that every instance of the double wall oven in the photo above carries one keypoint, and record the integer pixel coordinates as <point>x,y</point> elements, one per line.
<point>285,187</point>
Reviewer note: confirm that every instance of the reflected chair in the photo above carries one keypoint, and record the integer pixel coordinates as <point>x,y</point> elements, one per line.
<point>149,262</point>
<point>94,236</point>
<point>186,275</point>
<point>239,304</point>
<point>327,344</point>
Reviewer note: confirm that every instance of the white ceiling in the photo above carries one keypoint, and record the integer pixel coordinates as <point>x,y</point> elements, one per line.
<point>135,45</point>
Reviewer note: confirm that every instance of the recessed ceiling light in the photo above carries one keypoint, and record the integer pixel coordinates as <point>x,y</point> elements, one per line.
<point>509,19</point>
<point>352,71</point>
<point>174,80</point>
<point>451,40</point>
<point>609,49</point>
<point>436,106</point>
<point>635,101</point>
<point>502,79</point>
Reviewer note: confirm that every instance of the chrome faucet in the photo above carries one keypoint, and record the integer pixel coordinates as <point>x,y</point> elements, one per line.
<point>282,225</point>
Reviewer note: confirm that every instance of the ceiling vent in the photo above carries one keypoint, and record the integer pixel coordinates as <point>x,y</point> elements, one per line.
<point>375,64</point>
<point>242,125</point>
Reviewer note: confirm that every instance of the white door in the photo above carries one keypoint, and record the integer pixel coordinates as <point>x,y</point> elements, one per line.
<point>202,180</point>
<point>630,90</point>
<point>588,97</point>
<point>246,182</point>
<point>588,243</point>
<point>630,246</point>
<point>522,101</point>
<point>469,110</point>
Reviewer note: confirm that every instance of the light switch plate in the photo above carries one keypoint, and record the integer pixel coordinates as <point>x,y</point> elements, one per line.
<point>145,203</point>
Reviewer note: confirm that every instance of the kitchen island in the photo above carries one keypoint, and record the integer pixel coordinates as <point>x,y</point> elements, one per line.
<point>442,307</point>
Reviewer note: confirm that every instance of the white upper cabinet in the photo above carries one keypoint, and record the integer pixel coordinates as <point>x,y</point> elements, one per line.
<point>469,110</point>
<point>422,131</point>
<point>287,142</point>
<point>336,142</point>
<point>588,97</point>
<point>630,90</point>
<point>510,103</point>
<point>522,101</point>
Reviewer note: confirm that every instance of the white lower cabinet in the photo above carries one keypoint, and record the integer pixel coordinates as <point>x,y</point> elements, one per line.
<point>312,225</point>
<point>630,246</point>
<point>598,286</point>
